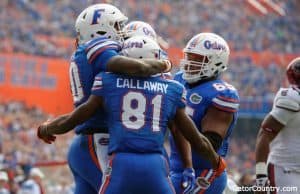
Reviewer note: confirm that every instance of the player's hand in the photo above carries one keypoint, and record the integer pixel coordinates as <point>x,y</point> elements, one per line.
<point>42,133</point>
<point>262,180</point>
<point>168,65</point>
<point>221,167</point>
<point>188,180</point>
<point>261,176</point>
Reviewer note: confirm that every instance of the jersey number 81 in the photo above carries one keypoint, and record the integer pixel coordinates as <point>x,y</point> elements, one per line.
<point>134,106</point>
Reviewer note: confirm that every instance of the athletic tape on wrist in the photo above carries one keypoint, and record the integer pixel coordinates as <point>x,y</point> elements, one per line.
<point>261,168</point>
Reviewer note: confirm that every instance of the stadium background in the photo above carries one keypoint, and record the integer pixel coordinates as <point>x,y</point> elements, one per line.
<point>37,38</point>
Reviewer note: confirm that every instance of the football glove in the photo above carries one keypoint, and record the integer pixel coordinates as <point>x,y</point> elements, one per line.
<point>261,175</point>
<point>188,180</point>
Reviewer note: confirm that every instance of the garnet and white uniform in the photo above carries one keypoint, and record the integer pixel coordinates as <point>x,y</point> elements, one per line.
<point>284,156</point>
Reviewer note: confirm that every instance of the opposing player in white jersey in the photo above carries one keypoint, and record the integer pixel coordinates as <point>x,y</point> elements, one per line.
<point>277,144</point>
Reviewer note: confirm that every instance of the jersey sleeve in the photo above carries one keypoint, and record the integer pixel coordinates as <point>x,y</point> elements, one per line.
<point>286,104</point>
<point>99,51</point>
<point>226,100</point>
<point>98,89</point>
<point>181,103</point>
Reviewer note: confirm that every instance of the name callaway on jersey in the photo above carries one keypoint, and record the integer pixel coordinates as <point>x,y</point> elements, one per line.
<point>141,85</point>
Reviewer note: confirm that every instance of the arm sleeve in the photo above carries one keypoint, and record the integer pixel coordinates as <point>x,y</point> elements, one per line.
<point>99,52</point>
<point>227,101</point>
<point>182,99</point>
<point>98,89</point>
<point>285,105</point>
<point>101,61</point>
<point>282,115</point>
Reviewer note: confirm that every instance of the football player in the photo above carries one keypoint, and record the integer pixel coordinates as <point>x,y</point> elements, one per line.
<point>139,111</point>
<point>211,103</point>
<point>99,32</point>
<point>277,145</point>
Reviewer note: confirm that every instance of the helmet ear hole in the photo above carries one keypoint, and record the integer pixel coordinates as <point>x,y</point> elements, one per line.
<point>101,33</point>
<point>218,64</point>
<point>141,57</point>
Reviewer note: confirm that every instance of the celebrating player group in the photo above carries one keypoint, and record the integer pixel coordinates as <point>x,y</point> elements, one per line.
<point>126,101</point>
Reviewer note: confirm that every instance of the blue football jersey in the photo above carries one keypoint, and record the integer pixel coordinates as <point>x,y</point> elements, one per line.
<point>215,93</point>
<point>88,60</point>
<point>139,110</point>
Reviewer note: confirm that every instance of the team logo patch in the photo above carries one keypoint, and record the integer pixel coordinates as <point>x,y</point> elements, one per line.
<point>195,98</point>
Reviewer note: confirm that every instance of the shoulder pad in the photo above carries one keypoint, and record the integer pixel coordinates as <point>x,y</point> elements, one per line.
<point>288,98</point>
<point>95,47</point>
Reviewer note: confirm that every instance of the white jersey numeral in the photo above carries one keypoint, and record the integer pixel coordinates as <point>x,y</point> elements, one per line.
<point>134,108</point>
<point>221,86</point>
<point>156,102</point>
<point>76,87</point>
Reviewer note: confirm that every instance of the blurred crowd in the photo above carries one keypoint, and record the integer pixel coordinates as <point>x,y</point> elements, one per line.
<point>39,27</point>
<point>46,28</point>
<point>20,149</point>
<point>254,80</point>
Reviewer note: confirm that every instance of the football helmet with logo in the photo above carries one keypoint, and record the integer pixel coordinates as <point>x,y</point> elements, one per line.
<point>142,47</point>
<point>100,20</point>
<point>293,72</point>
<point>139,28</point>
<point>205,55</point>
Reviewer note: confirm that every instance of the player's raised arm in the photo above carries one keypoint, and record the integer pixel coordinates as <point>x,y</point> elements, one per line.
<point>199,142</point>
<point>65,123</point>
<point>137,67</point>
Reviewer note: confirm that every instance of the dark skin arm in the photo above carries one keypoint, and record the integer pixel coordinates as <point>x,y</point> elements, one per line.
<point>183,146</point>
<point>137,67</point>
<point>198,142</point>
<point>66,123</point>
<point>216,121</point>
<point>264,138</point>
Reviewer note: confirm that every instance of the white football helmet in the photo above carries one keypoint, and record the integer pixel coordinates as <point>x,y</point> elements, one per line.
<point>139,28</point>
<point>205,55</point>
<point>100,20</point>
<point>142,47</point>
